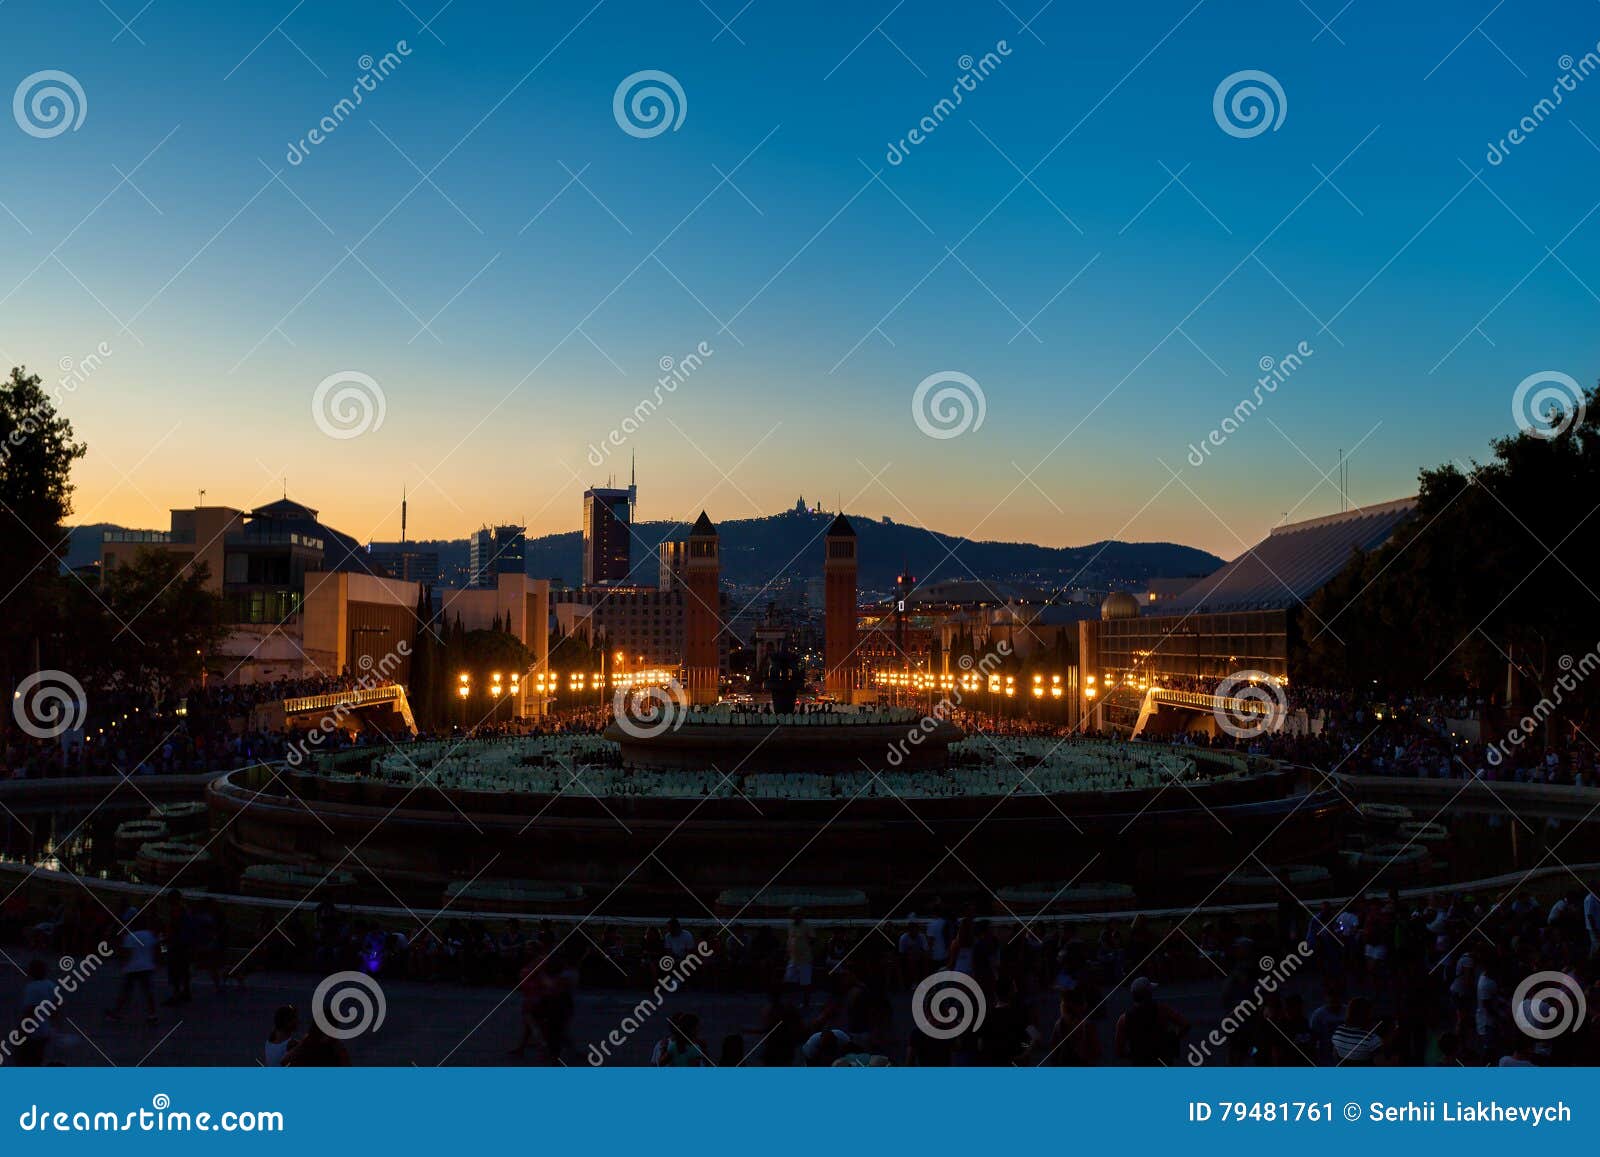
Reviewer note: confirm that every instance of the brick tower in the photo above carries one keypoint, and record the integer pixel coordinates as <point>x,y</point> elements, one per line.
<point>839,610</point>
<point>702,620</point>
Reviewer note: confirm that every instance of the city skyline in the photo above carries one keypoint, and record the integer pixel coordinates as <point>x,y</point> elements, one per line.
<point>1109,264</point>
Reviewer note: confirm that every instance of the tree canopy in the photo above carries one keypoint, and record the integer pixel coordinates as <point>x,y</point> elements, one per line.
<point>1495,573</point>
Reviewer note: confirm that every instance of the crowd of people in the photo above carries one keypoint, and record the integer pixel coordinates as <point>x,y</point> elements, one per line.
<point>1383,979</point>
<point>208,729</point>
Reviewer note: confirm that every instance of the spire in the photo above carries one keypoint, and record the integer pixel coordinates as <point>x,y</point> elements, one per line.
<point>703,527</point>
<point>402,515</point>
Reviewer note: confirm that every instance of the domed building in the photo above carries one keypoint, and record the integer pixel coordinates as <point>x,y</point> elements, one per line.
<point>1119,605</point>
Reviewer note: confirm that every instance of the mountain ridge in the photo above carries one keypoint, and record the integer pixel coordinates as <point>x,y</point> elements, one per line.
<point>789,545</point>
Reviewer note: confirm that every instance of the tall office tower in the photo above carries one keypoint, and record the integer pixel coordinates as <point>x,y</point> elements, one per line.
<point>492,552</point>
<point>607,534</point>
<point>839,610</point>
<point>701,613</point>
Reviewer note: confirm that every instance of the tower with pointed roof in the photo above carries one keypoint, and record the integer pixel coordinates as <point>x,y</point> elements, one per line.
<point>839,610</point>
<point>702,571</point>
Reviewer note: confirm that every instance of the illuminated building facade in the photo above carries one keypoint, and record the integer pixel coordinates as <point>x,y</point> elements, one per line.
<point>702,618</point>
<point>840,658</point>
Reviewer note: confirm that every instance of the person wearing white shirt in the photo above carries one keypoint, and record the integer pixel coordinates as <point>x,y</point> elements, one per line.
<point>139,948</point>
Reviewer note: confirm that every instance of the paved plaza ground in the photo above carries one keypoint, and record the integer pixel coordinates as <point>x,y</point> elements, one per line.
<point>433,1023</point>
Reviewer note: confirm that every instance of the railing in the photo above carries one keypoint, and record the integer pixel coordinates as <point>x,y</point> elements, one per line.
<point>1208,702</point>
<point>359,697</point>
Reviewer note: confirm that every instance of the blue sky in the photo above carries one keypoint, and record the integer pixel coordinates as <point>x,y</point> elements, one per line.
<point>826,293</point>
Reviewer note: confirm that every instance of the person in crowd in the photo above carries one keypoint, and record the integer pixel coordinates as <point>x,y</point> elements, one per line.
<point>139,948</point>
<point>281,1040</point>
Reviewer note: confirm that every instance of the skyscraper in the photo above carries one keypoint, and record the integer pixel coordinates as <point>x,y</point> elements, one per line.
<point>839,610</point>
<point>608,533</point>
<point>701,615</point>
<point>492,552</point>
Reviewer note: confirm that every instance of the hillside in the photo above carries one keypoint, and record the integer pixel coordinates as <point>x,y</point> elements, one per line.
<point>756,550</point>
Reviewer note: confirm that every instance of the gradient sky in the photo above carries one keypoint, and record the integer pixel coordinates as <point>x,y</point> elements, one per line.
<point>221,293</point>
